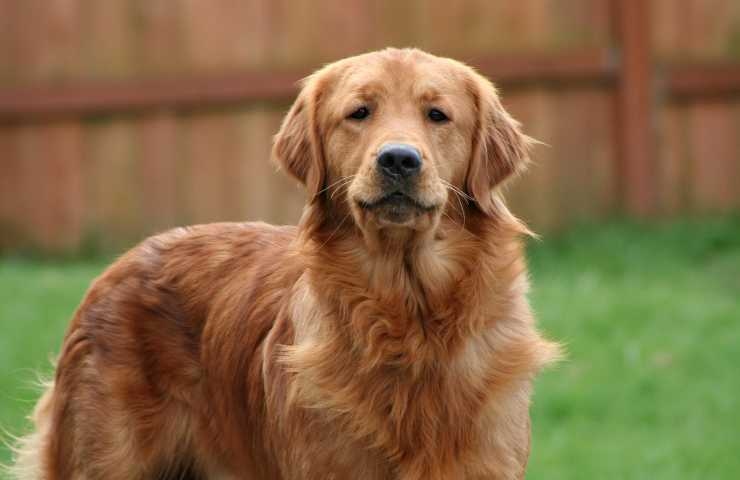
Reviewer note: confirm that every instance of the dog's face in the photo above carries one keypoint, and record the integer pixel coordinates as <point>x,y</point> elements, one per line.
<point>392,136</point>
<point>401,134</point>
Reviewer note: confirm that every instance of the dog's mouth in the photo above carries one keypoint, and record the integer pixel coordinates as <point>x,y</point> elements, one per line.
<point>396,207</point>
<point>395,199</point>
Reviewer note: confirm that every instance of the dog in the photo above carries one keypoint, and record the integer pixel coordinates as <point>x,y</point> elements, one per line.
<point>386,336</point>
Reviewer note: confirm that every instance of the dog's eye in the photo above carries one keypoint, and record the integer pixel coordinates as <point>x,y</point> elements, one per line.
<point>360,114</point>
<point>437,116</point>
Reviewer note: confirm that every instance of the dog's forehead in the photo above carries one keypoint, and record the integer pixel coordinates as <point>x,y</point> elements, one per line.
<point>419,75</point>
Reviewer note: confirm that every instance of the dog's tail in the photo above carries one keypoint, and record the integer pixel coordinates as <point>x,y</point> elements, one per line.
<point>29,450</point>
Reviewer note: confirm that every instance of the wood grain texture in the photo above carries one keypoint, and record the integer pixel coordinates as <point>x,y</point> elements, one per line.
<point>166,109</point>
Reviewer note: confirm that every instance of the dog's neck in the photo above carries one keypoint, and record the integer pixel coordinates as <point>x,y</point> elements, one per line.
<point>410,287</point>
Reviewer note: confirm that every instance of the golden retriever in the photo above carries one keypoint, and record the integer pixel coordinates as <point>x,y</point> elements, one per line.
<point>386,336</point>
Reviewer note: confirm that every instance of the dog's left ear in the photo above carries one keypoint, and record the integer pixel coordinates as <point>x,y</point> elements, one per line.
<point>297,146</point>
<point>500,149</point>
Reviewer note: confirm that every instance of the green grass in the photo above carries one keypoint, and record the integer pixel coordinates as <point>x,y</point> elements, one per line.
<point>651,320</point>
<point>650,317</point>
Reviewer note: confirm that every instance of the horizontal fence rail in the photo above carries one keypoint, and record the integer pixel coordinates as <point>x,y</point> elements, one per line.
<point>599,66</point>
<point>703,80</point>
<point>39,102</point>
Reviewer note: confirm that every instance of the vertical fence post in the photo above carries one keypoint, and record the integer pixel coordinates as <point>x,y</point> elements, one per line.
<point>636,162</point>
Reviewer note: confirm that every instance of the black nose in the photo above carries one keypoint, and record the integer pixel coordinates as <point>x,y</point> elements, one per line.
<point>399,160</point>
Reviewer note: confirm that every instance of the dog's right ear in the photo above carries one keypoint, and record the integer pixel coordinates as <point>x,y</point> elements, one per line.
<point>297,146</point>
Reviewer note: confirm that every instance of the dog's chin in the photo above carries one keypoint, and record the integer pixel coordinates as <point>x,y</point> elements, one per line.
<point>398,210</point>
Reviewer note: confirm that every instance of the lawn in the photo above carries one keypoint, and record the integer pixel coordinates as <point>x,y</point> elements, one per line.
<point>650,317</point>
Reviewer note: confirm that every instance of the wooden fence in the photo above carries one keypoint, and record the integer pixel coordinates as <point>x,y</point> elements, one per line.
<point>120,118</point>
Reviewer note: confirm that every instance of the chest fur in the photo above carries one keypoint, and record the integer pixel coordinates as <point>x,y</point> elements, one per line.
<point>399,394</point>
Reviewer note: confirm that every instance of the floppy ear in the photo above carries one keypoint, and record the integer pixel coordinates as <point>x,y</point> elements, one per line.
<point>500,149</point>
<point>297,146</point>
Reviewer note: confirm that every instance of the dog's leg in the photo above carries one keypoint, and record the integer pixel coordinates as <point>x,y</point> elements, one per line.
<point>82,433</point>
<point>63,446</point>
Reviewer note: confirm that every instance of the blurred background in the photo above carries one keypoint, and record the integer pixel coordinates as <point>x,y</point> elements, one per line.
<point>121,118</point>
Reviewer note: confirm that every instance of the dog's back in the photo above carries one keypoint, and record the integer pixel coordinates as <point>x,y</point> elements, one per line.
<point>136,388</point>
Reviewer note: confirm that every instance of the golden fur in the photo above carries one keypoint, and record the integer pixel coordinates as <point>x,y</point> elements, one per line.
<point>365,343</point>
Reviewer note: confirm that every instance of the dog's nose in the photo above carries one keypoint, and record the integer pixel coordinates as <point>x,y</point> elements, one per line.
<point>399,160</point>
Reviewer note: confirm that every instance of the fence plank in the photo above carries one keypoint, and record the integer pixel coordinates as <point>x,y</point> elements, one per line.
<point>112,187</point>
<point>46,207</point>
<point>672,160</point>
<point>715,173</point>
<point>221,36</point>
<point>535,195</point>
<point>583,147</point>
<point>11,220</point>
<point>8,19</point>
<point>62,146</point>
<point>208,146</point>
<point>635,99</point>
<point>159,37</point>
<point>158,143</point>
<point>109,42</point>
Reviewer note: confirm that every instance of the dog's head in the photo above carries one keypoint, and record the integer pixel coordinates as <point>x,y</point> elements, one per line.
<point>391,138</point>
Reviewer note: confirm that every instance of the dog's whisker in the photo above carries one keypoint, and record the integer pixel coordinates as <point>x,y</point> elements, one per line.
<point>462,210</point>
<point>341,179</point>
<point>340,187</point>
<point>457,190</point>
<point>457,195</point>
